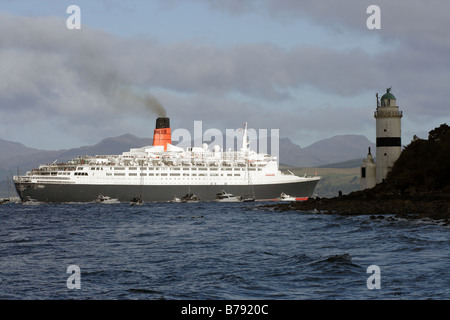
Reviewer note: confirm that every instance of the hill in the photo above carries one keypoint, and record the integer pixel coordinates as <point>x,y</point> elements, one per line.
<point>321,153</point>
<point>333,179</point>
<point>425,164</point>
<point>16,157</point>
<point>11,149</point>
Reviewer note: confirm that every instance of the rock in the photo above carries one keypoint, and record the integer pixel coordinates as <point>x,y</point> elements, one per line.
<point>434,205</point>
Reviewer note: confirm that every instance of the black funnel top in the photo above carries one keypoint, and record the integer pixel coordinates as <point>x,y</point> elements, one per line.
<point>162,123</point>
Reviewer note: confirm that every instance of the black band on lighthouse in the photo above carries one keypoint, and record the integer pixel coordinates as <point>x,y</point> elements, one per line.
<point>389,142</point>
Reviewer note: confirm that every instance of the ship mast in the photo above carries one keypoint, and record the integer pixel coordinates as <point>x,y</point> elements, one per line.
<point>245,142</point>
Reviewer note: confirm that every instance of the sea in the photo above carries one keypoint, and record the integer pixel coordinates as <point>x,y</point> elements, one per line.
<point>217,251</point>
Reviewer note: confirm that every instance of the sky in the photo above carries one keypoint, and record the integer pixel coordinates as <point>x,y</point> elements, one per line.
<point>308,68</point>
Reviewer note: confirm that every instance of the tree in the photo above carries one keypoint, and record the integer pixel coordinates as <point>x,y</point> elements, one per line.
<point>424,164</point>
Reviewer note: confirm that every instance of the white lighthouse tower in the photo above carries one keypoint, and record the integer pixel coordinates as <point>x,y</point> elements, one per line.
<point>388,131</point>
<point>368,173</point>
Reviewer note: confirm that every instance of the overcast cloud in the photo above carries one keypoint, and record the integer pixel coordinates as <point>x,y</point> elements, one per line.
<point>90,84</point>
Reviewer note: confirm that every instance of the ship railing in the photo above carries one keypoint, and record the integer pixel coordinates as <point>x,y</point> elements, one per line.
<point>21,179</point>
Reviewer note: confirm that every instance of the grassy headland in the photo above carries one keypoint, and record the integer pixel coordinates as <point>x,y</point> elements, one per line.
<point>332,180</point>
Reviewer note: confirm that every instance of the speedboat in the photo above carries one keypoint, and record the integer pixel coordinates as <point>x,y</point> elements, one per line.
<point>247,198</point>
<point>29,201</point>
<point>9,201</point>
<point>136,201</point>
<point>286,197</point>
<point>175,199</point>
<point>105,199</point>
<point>190,198</point>
<point>227,197</point>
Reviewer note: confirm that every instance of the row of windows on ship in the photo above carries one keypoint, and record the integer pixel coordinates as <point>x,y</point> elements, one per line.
<point>202,169</point>
<point>176,168</point>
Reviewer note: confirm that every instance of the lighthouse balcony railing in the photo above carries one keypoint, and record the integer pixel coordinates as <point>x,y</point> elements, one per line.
<point>392,114</point>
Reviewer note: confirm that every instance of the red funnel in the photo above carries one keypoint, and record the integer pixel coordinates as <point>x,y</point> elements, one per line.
<point>162,135</point>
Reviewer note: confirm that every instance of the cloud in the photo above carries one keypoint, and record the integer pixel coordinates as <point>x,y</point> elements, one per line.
<point>403,19</point>
<point>50,62</point>
<point>84,78</point>
<point>412,53</point>
<point>50,72</point>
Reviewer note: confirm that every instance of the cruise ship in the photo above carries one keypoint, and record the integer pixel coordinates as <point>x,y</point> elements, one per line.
<point>162,172</point>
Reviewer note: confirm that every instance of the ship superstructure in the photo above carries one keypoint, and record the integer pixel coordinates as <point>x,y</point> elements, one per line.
<point>163,171</point>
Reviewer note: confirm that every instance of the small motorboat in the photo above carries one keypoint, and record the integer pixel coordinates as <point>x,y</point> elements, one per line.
<point>190,198</point>
<point>227,197</point>
<point>247,198</point>
<point>136,201</point>
<point>175,199</point>
<point>30,202</point>
<point>105,199</point>
<point>10,201</point>
<point>286,197</point>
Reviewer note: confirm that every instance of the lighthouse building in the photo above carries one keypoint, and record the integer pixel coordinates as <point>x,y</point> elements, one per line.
<point>388,141</point>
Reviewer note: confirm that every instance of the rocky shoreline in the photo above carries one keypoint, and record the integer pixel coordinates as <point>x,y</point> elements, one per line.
<point>379,201</point>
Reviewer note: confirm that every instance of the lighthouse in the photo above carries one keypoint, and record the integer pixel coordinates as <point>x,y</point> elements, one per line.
<point>389,142</point>
<point>388,134</point>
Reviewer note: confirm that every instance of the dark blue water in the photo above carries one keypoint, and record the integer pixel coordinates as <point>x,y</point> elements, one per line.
<point>216,251</point>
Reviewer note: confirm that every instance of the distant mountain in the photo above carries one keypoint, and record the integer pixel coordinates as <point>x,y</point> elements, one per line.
<point>295,156</point>
<point>336,149</point>
<point>345,164</point>
<point>9,149</point>
<point>15,156</point>
<point>108,146</point>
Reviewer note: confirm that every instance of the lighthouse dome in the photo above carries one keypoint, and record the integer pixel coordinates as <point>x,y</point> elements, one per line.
<point>388,95</point>
<point>388,99</point>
